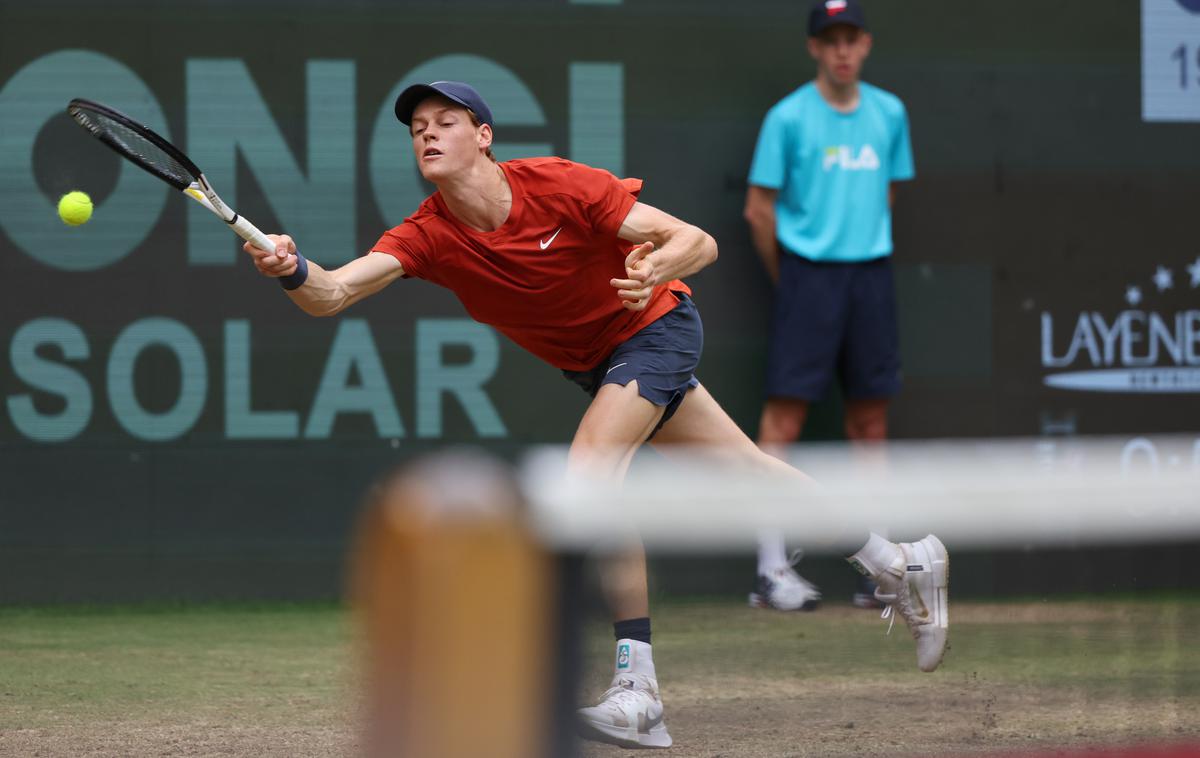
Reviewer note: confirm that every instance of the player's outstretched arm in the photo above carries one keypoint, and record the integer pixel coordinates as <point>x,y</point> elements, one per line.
<point>324,293</point>
<point>670,249</point>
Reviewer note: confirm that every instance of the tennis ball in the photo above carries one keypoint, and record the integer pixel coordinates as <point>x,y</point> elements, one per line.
<point>75,208</point>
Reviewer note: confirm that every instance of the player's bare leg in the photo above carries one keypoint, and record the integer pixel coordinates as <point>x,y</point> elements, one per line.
<point>913,577</point>
<point>615,425</point>
<point>700,422</point>
<point>630,713</point>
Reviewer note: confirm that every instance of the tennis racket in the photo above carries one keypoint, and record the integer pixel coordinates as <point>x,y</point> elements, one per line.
<point>140,145</point>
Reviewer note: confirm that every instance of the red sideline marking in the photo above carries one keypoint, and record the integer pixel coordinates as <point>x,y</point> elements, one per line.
<point>1130,751</point>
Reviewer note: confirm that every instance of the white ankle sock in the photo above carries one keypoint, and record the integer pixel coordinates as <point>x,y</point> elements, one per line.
<point>876,556</point>
<point>633,657</point>
<point>772,552</point>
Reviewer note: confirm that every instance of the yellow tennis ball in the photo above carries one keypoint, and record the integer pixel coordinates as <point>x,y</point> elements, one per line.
<point>75,208</point>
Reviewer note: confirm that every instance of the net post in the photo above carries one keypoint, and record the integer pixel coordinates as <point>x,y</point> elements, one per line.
<point>455,601</point>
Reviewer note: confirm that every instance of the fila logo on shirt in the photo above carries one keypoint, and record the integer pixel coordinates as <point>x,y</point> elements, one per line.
<point>843,157</point>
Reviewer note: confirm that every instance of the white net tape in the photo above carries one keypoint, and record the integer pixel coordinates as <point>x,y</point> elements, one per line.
<point>1009,493</point>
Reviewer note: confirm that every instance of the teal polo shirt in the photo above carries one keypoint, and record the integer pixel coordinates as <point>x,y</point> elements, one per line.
<point>832,171</point>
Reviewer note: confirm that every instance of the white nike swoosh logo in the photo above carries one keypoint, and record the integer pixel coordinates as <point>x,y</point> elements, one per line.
<point>614,368</point>
<point>546,243</point>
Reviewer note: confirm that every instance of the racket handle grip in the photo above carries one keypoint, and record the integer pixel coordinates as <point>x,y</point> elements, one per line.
<point>249,232</point>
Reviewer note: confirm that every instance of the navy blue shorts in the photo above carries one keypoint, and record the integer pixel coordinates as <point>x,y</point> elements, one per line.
<point>662,358</point>
<point>834,317</point>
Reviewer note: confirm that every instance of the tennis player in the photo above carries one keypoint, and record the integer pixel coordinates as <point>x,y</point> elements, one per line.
<point>564,260</point>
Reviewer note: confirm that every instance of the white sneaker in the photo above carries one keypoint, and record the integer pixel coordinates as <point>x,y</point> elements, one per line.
<point>630,714</point>
<point>916,587</point>
<point>785,590</point>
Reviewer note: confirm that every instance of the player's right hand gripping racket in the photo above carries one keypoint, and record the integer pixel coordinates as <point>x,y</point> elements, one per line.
<point>137,143</point>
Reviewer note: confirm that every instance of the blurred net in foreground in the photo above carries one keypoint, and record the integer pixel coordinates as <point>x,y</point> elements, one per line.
<point>460,572</point>
<point>975,494</point>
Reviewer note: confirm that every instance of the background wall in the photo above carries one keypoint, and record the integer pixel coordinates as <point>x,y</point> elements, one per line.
<point>173,426</point>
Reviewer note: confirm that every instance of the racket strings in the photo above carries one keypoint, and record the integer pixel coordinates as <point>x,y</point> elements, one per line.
<point>135,146</point>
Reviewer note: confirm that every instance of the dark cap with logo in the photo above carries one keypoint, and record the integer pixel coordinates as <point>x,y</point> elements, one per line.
<point>827,13</point>
<point>463,94</point>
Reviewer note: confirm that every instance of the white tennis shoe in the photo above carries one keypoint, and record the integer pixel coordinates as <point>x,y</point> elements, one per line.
<point>630,714</point>
<point>915,586</point>
<point>785,590</point>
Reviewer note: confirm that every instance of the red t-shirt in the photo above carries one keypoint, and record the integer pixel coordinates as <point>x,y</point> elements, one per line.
<point>542,278</point>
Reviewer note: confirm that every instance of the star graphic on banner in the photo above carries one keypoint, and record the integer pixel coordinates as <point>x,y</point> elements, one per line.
<point>1163,278</point>
<point>1133,295</point>
<point>1194,271</point>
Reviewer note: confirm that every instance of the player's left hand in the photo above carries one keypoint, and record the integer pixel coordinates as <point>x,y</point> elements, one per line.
<point>640,278</point>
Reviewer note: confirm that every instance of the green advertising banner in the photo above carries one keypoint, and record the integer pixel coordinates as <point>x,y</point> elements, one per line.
<point>172,422</point>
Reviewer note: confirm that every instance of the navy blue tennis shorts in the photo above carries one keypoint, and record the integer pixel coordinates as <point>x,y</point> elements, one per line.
<point>662,358</point>
<point>834,318</point>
